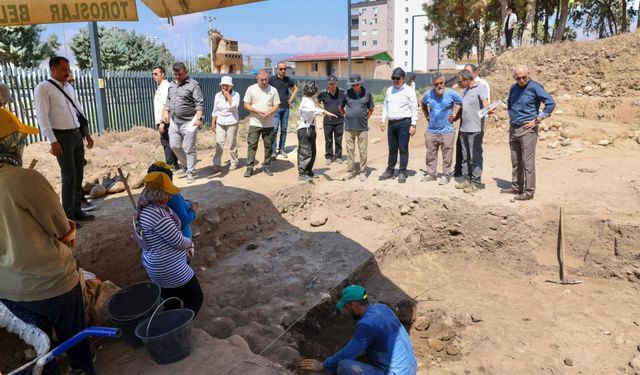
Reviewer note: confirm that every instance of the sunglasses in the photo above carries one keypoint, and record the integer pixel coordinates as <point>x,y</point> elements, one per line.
<point>282,69</point>
<point>396,78</point>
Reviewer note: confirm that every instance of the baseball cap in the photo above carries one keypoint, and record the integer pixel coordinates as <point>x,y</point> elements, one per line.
<point>397,73</point>
<point>355,79</point>
<point>352,293</point>
<point>160,181</point>
<point>10,124</point>
<point>332,79</point>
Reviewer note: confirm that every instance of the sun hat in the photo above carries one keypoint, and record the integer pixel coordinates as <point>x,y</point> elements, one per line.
<point>160,181</point>
<point>10,124</point>
<point>226,80</point>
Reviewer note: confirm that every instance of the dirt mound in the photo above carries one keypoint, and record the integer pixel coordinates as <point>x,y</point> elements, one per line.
<point>601,68</point>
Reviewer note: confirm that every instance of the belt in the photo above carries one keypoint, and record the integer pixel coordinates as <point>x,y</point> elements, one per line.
<point>67,131</point>
<point>400,119</point>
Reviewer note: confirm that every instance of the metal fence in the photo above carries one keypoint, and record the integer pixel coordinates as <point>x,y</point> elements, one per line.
<point>129,95</point>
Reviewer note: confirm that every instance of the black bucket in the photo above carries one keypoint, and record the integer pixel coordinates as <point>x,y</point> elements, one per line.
<point>131,305</point>
<point>168,337</point>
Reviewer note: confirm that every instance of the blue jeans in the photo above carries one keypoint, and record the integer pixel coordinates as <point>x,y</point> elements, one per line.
<point>352,367</point>
<point>398,139</point>
<point>280,120</point>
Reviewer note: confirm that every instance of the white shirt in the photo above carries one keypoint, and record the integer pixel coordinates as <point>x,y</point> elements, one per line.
<point>225,113</point>
<point>511,21</point>
<point>160,99</point>
<point>484,82</point>
<point>400,103</point>
<point>54,111</point>
<point>308,112</point>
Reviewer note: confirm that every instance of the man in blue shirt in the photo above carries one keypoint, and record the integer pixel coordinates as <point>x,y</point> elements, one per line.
<point>525,115</point>
<point>379,336</point>
<point>437,106</point>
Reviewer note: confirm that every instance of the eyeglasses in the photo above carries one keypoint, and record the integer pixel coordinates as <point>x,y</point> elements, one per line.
<point>522,78</point>
<point>282,69</point>
<point>396,78</point>
<point>154,74</point>
<point>438,83</point>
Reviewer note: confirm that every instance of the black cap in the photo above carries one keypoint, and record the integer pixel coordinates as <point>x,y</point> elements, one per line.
<point>332,79</point>
<point>355,79</point>
<point>397,73</point>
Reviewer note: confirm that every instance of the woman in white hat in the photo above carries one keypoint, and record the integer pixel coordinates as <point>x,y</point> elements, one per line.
<point>224,123</point>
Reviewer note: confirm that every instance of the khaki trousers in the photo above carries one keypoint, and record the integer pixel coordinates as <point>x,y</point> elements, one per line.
<point>362,138</point>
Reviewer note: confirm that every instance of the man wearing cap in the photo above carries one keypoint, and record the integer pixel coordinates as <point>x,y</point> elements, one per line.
<point>159,101</point>
<point>224,123</point>
<point>401,110</point>
<point>357,107</point>
<point>39,281</point>
<point>287,91</point>
<point>379,336</point>
<point>184,112</point>
<point>331,98</point>
<point>262,101</point>
<point>59,114</point>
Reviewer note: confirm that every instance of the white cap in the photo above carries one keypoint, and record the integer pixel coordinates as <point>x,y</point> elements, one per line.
<point>226,80</point>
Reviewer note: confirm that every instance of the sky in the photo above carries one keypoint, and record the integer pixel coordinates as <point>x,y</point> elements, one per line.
<point>265,28</point>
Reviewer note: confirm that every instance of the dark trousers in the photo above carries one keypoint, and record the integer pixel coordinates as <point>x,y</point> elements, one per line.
<point>190,293</point>
<point>333,136</point>
<point>472,156</point>
<point>253,137</point>
<point>457,167</point>
<point>71,169</point>
<point>523,158</point>
<point>63,314</point>
<point>306,150</point>
<point>169,156</point>
<point>398,139</point>
<point>508,37</point>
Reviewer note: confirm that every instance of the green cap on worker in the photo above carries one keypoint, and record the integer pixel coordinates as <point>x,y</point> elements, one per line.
<point>351,293</point>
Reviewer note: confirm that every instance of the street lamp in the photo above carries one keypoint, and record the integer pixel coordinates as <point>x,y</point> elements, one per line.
<point>413,39</point>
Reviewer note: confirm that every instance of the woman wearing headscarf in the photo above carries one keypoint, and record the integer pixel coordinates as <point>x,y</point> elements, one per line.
<point>307,130</point>
<point>39,281</point>
<point>165,250</point>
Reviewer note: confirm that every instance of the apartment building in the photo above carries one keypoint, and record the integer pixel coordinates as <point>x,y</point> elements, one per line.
<point>397,26</point>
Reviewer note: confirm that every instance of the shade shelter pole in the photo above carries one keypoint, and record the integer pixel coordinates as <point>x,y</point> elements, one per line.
<point>98,79</point>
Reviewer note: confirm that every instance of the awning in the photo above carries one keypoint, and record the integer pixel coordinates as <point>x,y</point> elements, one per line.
<point>30,12</point>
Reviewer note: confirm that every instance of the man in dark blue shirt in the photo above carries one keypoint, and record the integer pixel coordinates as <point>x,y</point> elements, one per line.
<point>525,115</point>
<point>379,336</point>
<point>287,90</point>
<point>331,99</point>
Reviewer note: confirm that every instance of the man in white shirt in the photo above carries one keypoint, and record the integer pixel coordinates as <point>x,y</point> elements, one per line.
<point>509,24</point>
<point>59,120</point>
<point>224,123</point>
<point>159,101</point>
<point>262,101</point>
<point>471,68</point>
<point>401,111</point>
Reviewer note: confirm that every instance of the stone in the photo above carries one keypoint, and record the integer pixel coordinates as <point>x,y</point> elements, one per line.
<point>635,363</point>
<point>564,133</point>
<point>553,144</point>
<point>587,143</point>
<point>568,361</point>
<point>638,140</point>
<point>565,142</point>
<point>239,342</point>
<point>435,345</point>
<point>404,210</point>
<point>138,182</point>
<point>604,142</point>
<point>116,187</point>
<point>252,246</point>
<point>318,219</point>
<point>422,324</point>
<point>86,187</point>
<point>587,89</point>
<point>220,327</point>
<point>452,350</point>
<point>98,191</point>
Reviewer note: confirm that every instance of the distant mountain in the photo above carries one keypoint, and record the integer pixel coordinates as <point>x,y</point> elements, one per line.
<point>257,61</point>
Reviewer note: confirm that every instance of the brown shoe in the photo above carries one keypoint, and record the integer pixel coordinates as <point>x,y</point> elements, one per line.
<point>524,197</point>
<point>510,191</point>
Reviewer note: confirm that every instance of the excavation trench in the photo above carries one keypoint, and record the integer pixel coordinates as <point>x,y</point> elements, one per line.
<point>267,267</point>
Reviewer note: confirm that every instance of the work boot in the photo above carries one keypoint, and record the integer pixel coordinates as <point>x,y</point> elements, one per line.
<point>524,197</point>
<point>305,177</point>
<point>463,185</point>
<point>248,172</point>
<point>327,161</point>
<point>510,190</point>
<point>443,180</point>
<point>472,188</point>
<point>428,178</point>
<point>267,171</point>
<point>233,167</point>
<point>338,160</point>
<point>402,178</point>
<point>190,177</point>
<point>284,155</point>
<point>385,176</point>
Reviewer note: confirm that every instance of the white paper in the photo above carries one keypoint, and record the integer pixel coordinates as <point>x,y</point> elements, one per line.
<point>484,111</point>
<point>191,125</point>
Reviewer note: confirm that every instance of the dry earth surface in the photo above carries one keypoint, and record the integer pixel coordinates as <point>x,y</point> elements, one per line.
<point>467,274</point>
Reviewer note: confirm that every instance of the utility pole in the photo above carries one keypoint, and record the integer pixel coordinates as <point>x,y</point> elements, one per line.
<point>349,38</point>
<point>98,79</point>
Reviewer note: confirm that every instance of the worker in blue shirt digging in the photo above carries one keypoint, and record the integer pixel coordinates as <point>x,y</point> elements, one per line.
<point>379,336</point>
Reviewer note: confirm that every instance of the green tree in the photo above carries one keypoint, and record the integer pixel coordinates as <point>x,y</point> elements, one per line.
<point>602,17</point>
<point>267,62</point>
<point>21,45</point>
<point>204,63</point>
<point>120,50</point>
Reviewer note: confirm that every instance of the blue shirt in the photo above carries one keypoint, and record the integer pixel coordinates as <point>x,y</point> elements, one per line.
<point>185,213</point>
<point>440,109</point>
<point>524,103</point>
<point>381,336</point>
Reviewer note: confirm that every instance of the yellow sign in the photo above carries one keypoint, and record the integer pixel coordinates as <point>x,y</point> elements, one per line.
<point>29,12</point>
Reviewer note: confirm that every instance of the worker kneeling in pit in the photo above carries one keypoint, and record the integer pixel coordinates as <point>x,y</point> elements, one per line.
<point>379,336</point>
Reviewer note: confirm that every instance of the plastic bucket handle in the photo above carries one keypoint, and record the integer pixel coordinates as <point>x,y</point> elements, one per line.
<point>159,306</point>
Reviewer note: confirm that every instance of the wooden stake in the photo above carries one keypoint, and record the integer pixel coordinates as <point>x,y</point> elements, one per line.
<point>560,246</point>
<point>33,163</point>
<point>126,186</point>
